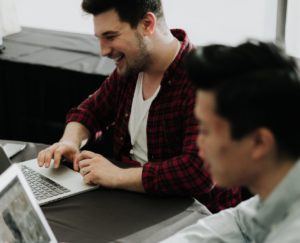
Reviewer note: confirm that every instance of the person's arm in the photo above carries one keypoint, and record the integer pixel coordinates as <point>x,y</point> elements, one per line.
<point>68,146</point>
<point>227,226</point>
<point>180,175</point>
<point>82,122</point>
<point>75,133</point>
<point>96,169</point>
<point>131,179</point>
<point>98,110</point>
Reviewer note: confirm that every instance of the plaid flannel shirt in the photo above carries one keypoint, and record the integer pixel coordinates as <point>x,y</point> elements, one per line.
<point>174,166</point>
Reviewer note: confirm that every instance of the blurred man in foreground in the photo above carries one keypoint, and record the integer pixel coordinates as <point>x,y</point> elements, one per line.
<point>248,103</point>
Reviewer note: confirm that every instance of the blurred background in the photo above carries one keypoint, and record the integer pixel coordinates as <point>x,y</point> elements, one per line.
<point>51,62</point>
<point>206,21</point>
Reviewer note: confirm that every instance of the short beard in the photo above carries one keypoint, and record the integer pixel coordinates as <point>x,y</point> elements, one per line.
<point>142,61</point>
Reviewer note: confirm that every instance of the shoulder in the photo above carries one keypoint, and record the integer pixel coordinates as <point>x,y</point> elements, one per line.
<point>288,229</point>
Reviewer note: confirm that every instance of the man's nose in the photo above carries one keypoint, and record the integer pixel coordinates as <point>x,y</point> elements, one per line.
<point>201,146</point>
<point>201,154</point>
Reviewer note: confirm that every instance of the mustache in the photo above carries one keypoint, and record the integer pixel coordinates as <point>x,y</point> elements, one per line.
<point>114,56</point>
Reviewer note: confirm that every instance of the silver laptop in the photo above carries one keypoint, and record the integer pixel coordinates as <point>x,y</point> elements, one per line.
<point>48,184</point>
<point>21,219</point>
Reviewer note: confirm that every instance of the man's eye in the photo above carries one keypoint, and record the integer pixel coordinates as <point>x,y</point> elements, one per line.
<point>110,38</point>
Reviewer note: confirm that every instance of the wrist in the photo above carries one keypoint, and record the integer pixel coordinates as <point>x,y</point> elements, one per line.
<point>75,134</point>
<point>69,143</point>
<point>130,179</point>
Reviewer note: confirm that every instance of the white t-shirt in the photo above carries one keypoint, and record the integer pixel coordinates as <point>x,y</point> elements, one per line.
<point>138,122</point>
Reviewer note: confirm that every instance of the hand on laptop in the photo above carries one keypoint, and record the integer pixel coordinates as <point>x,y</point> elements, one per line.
<point>96,169</point>
<point>56,151</point>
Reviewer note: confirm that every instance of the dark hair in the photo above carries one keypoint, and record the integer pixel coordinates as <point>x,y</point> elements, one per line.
<point>255,85</point>
<point>131,11</point>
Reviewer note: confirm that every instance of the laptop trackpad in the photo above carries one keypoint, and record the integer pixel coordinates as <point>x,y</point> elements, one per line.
<point>63,175</point>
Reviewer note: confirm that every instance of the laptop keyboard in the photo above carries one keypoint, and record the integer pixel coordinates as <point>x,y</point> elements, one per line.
<point>41,186</point>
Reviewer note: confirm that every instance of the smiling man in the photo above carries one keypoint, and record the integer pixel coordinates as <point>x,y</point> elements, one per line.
<point>247,106</point>
<point>148,101</point>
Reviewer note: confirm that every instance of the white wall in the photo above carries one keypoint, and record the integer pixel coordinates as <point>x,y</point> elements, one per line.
<point>293,28</point>
<point>64,15</point>
<point>226,21</point>
<point>206,21</point>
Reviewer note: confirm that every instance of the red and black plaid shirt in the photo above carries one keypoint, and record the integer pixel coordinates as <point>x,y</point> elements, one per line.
<point>174,166</point>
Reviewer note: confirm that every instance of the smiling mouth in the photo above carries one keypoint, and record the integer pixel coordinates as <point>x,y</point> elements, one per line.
<point>119,58</point>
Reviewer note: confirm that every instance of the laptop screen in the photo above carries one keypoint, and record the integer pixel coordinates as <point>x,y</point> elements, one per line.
<point>19,219</point>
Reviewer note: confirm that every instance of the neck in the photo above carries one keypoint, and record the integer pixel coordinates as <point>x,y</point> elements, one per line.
<point>271,178</point>
<point>163,51</point>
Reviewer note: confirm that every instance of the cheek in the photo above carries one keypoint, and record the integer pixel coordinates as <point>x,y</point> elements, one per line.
<point>217,156</point>
<point>230,168</point>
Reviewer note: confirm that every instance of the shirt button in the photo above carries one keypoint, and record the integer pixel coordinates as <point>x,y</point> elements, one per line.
<point>169,82</point>
<point>126,114</point>
<point>121,138</point>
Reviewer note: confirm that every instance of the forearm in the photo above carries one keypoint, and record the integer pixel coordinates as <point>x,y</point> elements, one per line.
<point>75,133</point>
<point>131,179</point>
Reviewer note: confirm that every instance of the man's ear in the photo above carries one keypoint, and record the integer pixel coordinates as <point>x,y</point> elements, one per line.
<point>263,143</point>
<point>148,24</point>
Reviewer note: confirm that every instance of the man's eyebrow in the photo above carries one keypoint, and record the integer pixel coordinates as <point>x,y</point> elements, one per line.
<point>107,33</point>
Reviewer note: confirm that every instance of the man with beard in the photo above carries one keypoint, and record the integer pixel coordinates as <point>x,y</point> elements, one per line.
<point>148,101</point>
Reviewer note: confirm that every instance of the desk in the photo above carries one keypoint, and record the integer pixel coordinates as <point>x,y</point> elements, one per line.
<point>107,215</point>
<point>43,74</point>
